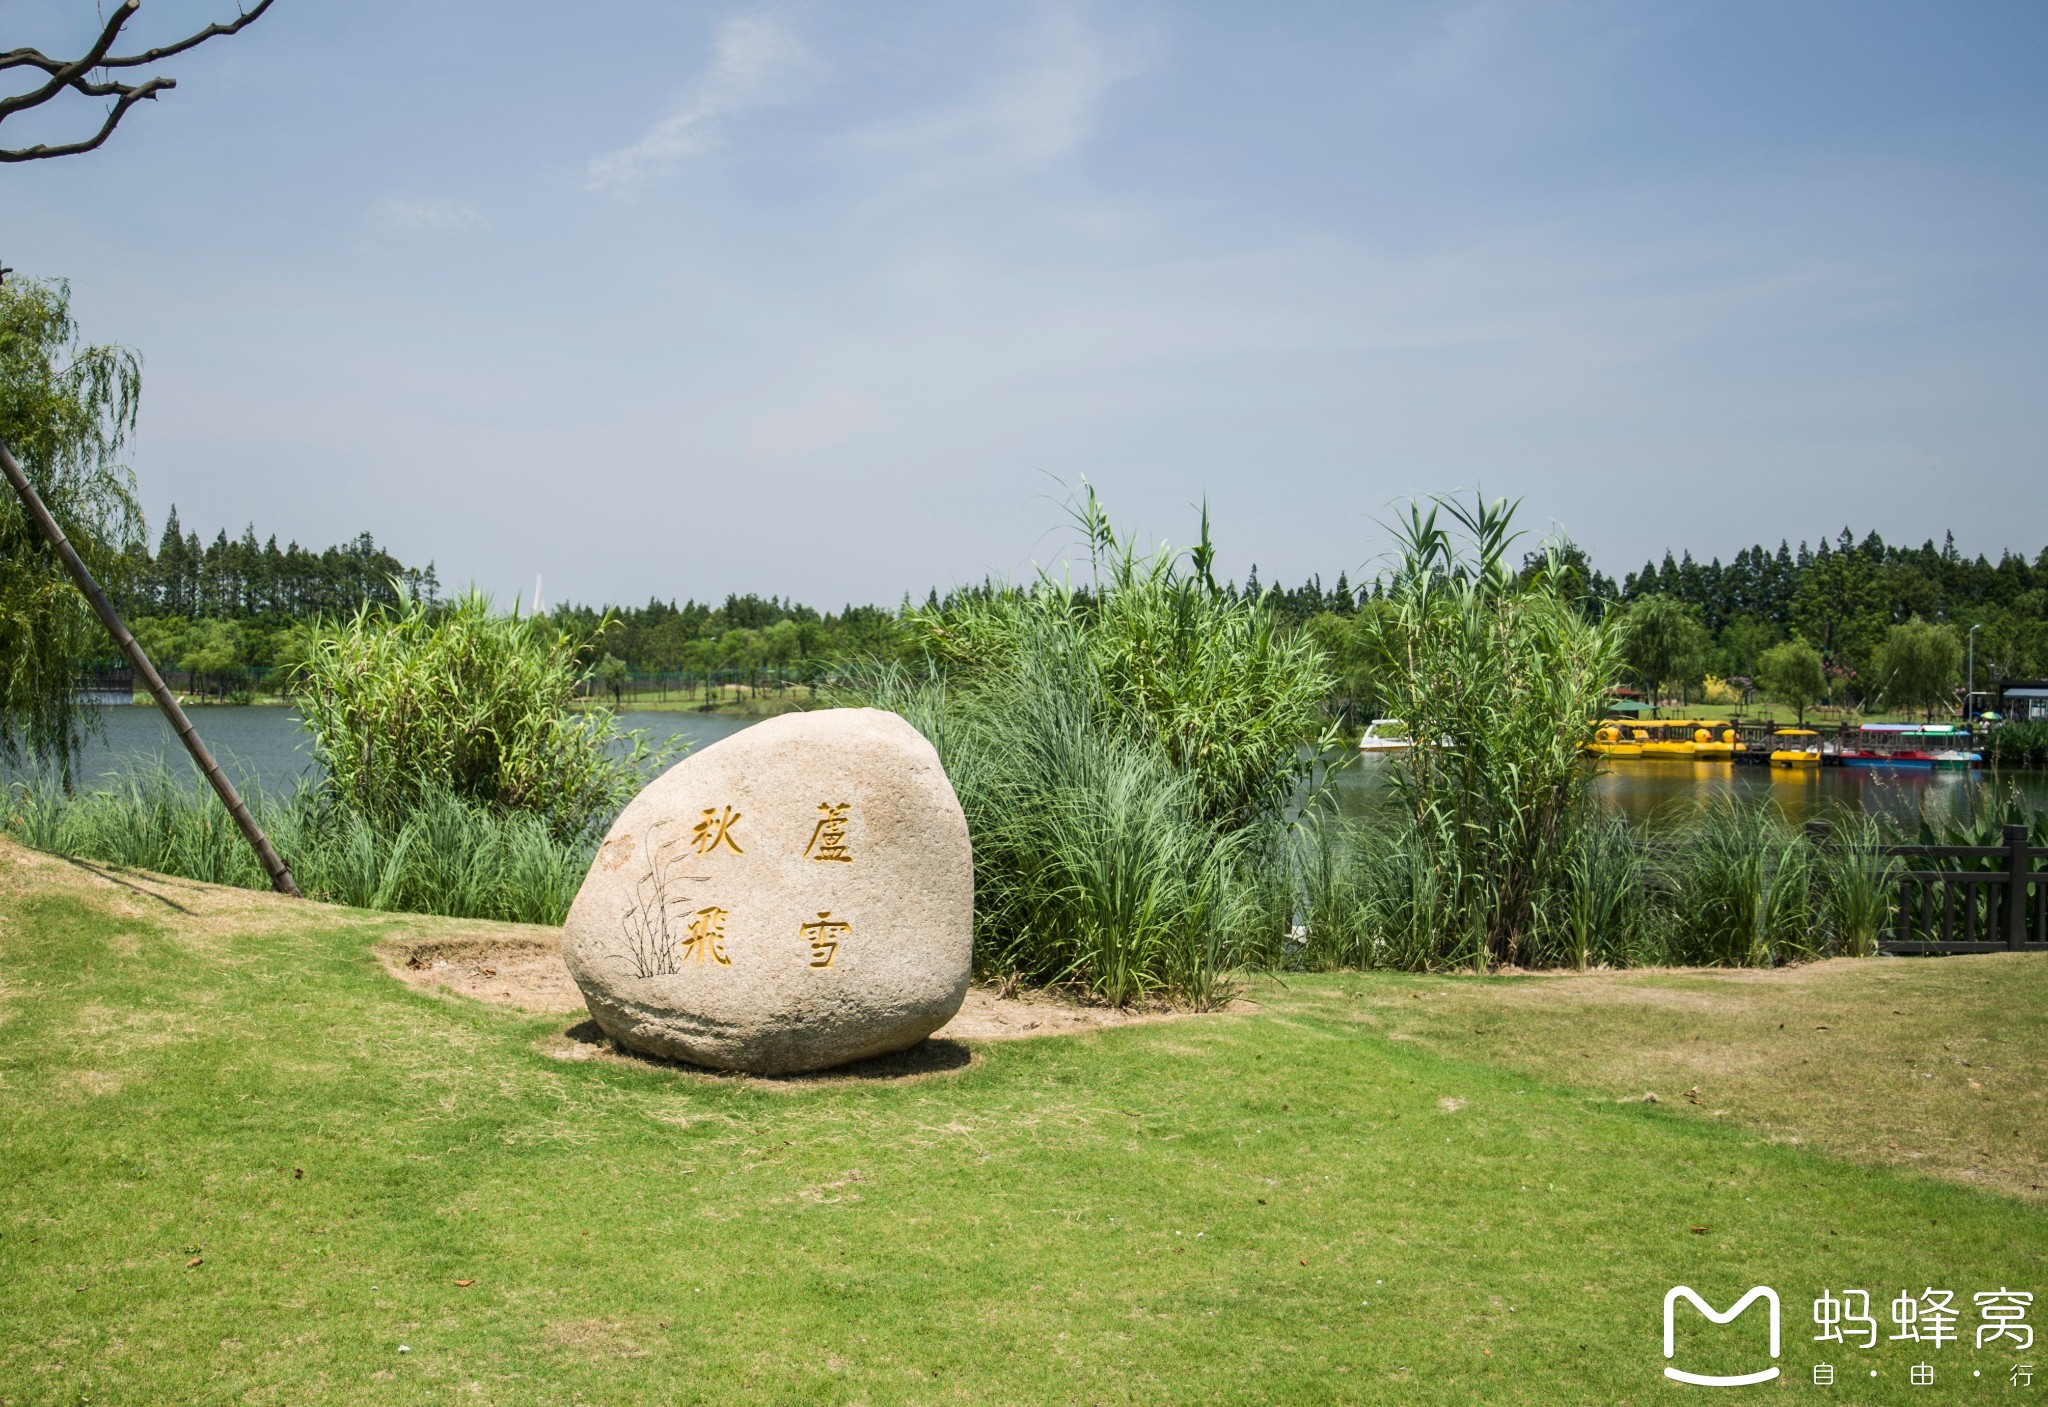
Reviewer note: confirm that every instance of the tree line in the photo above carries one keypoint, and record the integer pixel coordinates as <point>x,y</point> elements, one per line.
<point>1850,622</point>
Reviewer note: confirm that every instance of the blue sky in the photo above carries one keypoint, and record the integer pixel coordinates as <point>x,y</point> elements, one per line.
<point>664,299</point>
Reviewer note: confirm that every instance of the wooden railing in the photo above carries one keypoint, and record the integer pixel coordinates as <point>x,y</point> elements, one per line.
<point>2001,905</point>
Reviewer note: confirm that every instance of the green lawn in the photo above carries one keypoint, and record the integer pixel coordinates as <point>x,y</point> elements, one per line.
<point>244,1164</point>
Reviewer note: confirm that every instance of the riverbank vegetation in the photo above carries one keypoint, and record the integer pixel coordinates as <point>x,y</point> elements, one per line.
<point>1143,758</point>
<point>1127,756</point>
<point>1727,885</point>
<point>455,777</point>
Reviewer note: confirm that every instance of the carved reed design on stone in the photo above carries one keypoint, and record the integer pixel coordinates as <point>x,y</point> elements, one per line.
<point>653,925</point>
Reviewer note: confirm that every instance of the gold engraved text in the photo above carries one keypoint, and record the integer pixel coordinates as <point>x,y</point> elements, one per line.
<point>706,934</point>
<point>828,837</point>
<point>715,830</point>
<point>824,936</point>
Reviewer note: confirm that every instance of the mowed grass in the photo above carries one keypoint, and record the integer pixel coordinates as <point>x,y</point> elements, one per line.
<point>1288,1205</point>
<point>1940,1065</point>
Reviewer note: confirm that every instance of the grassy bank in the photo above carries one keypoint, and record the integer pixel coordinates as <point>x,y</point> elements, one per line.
<point>447,856</point>
<point>246,1164</point>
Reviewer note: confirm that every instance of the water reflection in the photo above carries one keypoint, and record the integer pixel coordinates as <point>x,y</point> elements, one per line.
<point>1652,791</point>
<point>270,745</point>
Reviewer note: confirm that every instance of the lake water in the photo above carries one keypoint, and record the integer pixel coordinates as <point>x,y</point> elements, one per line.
<point>1640,790</point>
<point>268,746</point>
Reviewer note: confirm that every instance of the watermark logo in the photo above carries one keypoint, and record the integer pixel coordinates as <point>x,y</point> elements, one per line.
<point>1678,1292</point>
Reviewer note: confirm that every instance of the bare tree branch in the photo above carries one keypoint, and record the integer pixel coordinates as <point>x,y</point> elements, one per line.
<point>74,75</point>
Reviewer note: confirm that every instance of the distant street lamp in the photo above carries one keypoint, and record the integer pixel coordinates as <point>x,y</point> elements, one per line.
<point>1970,687</point>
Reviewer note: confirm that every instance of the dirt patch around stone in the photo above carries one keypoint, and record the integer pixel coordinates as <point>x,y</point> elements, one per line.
<point>527,972</point>
<point>524,970</point>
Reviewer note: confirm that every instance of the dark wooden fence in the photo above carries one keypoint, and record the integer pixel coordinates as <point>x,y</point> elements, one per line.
<point>1984,899</point>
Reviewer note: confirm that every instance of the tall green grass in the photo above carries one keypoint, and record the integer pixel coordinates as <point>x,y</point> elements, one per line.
<point>1096,864</point>
<point>1128,757</point>
<point>448,855</point>
<point>1495,672</point>
<point>1719,884</point>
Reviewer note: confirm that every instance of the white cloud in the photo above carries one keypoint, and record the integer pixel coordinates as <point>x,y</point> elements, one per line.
<point>757,61</point>
<point>429,214</point>
<point>1040,106</point>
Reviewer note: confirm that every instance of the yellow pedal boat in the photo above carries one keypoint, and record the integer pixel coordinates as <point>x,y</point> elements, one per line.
<point>1617,740</point>
<point>1795,747</point>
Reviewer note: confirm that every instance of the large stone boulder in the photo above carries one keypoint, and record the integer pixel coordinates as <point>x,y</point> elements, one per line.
<point>796,896</point>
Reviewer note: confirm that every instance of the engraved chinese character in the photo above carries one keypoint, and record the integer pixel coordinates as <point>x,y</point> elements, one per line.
<point>828,837</point>
<point>706,934</point>
<point>1823,1375</point>
<point>824,936</point>
<point>1922,1375</point>
<point>715,830</point>
<point>2004,1313</point>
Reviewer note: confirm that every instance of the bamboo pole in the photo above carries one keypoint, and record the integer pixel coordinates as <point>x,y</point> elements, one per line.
<point>280,874</point>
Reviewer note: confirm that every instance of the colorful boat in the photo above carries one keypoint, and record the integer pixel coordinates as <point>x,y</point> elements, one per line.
<point>1688,739</point>
<point>1714,741</point>
<point>1795,747</point>
<point>1919,745</point>
<point>1617,740</point>
<point>1669,739</point>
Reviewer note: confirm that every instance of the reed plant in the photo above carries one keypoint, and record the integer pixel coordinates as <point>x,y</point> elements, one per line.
<point>1717,884</point>
<point>1744,887</point>
<point>1127,755</point>
<point>1858,883</point>
<point>1602,907</point>
<point>1496,673</point>
<point>1375,892</point>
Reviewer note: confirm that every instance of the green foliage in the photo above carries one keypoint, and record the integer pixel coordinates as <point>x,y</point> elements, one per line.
<point>1793,674</point>
<point>2017,745</point>
<point>1744,891</point>
<point>1858,884</point>
<point>1206,677</point>
<point>1125,758</point>
<point>1599,908</point>
<point>1665,643</point>
<point>446,856</point>
<point>1724,884</point>
<point>408,704</point>
<point>66,411</point>
<point>241,579</point>
<point>1920,665</point>
<point>1496,675</point>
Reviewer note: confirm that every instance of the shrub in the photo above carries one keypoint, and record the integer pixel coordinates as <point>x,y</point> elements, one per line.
<point>2019,744</point>
<point>448,856</point>
<point>411,704</point>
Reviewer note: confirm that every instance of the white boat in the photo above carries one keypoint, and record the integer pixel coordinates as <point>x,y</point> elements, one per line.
<point>1385,735</point>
